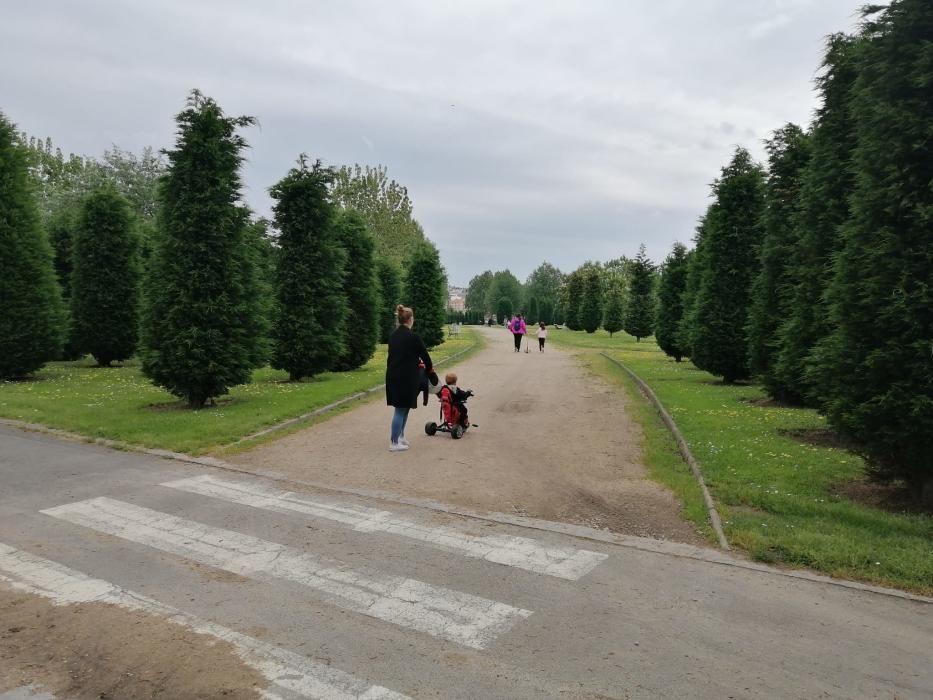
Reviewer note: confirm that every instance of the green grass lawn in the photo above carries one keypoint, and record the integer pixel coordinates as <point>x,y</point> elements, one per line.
<point>775,492</point>
<point>119,403</point>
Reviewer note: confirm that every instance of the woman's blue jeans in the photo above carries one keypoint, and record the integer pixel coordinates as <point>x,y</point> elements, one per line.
<point>399,419</point>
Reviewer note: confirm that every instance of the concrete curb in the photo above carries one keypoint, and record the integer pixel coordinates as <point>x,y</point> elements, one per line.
<point>684,451</point>
<point>644,544</point>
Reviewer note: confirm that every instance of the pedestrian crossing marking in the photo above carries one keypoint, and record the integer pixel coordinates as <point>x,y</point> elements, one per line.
<point>519,552</point>
<point>458,617</point>
<point>290,675</point>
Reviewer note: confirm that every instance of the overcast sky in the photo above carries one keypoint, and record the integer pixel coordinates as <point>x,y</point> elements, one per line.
<point>525,131</point>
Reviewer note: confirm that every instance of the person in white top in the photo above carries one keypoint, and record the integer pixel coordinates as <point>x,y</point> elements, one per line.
<point>542,335</point>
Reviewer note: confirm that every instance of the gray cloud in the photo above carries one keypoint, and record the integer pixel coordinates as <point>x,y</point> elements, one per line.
<point>525,131</point>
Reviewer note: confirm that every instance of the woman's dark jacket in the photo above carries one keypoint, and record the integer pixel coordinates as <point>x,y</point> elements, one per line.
<point>403,377</point>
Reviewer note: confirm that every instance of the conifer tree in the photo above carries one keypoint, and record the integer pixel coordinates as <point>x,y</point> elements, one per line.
<point>615,307</point>
<point>696,266</point>
<point>573,301</point>
<point>105,279</point>
<point>534,314</point>
<point>671,302</point>
<point>308,333</point>
<point>639,317</point>
<point>591,309</point>
<point>390,296</point>
<point>360,288</point>
<point>877,362</point>
<point>426,293</point>
<point>259,267</point>
<point>32,319</point>
<point>504,310</point>
<point>826,185</point>
<point>771,294</point>
<point>200,310</point>
<point>730,247</point>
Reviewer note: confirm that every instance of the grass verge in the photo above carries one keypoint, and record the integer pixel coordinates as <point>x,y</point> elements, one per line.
<point>778,495</point>
<point>119,403</point>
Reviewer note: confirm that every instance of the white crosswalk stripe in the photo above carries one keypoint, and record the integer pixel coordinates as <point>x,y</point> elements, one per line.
<point>289,674</point>
<point>518,552</point>
<point>459,617</point>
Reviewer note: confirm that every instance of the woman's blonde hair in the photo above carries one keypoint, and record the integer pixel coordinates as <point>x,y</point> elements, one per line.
<point>404,314</point>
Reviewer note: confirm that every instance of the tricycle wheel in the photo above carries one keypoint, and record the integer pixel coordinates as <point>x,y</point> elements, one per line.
<point>430,428</point>
<point>457,432</point>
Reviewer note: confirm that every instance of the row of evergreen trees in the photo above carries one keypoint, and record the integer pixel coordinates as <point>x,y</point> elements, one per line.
<point>216,299</point>
<point>816,275</point>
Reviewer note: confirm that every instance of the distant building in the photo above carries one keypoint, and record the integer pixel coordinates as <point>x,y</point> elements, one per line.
<point>456,298</point>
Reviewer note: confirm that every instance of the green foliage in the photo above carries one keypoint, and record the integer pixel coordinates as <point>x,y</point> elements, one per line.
<point>385,207</point>
<point>477,291</point>
<point>639,319</point>
<point>360,288</point>
<point>259,272</point>
<point>426,293</point>
<point>772,290</point>
<point>615,308</point>
<point>105,280</point>
<point>591,310</point>
<point>308,333</point>
<point>671,302</point>
<point>390,296</point>
<point>543,285</point>
<point>824,206</point>
<point>731,235</point>
<point>877,363</point>
<point>32,319</point>
<point>200,306</point>
<point>504,310</point>
<point>533,314</point>
<point>572,301</point>
<point>504,284</point>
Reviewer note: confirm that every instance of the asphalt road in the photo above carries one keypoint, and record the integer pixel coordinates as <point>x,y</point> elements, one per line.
<point>331,595</point>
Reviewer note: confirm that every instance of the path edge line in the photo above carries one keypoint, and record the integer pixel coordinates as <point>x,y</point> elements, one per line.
<point>685,452</point>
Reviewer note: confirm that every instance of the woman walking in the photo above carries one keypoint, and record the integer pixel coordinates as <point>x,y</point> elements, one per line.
<point>406,351</point>
<point>518,329</point>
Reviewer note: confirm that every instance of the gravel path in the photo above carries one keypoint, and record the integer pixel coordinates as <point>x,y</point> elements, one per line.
<point>552,443</point>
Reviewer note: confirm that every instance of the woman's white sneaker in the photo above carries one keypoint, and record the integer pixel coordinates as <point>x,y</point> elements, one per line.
<point>403,441</point>
<point>397,447</point>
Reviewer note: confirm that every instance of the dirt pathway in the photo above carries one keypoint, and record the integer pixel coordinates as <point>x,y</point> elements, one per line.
<point>552,443</point>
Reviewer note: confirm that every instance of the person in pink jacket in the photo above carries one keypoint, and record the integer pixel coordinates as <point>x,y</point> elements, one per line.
<point>518,329</point>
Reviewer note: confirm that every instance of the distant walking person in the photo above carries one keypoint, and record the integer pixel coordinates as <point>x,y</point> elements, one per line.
<point>542,336</point>
<point>403,380</point>
<point>518,329</point>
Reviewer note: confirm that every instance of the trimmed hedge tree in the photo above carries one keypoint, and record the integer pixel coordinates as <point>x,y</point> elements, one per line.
<point>200,305</point>
<point>32,318</point>
<point>390,296</point>
<point>730,260</point>
<point>308,334</point>
<point>426,293</point>
<point>105,279</point>
<point>360,289</point>
<point>671,303</point>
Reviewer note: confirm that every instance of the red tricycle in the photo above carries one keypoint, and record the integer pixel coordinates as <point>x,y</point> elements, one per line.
<point>453,415</point>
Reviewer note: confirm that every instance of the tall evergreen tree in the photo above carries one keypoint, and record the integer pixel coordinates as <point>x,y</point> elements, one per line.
<point>639,317</point>
<point>573,299</point>
<point>259,265</point>
<point>878,359</point>
<point>591,309</point>
<point>360,288</point>
<point>730,257</point>
<point>504,310</point>
<point>772,291</point>
<point>671,302</point>
<point>308,333</point>
<point>32,317</point>
<point>696,265</point>
<point>615,307</point>
<point>105,279</point>
<point>199,314</point>
<point>426,293</point>
<point>390,296</point>
<point>824,206</point>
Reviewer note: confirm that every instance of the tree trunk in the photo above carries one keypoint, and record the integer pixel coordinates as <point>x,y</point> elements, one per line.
<point>926,493</point>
